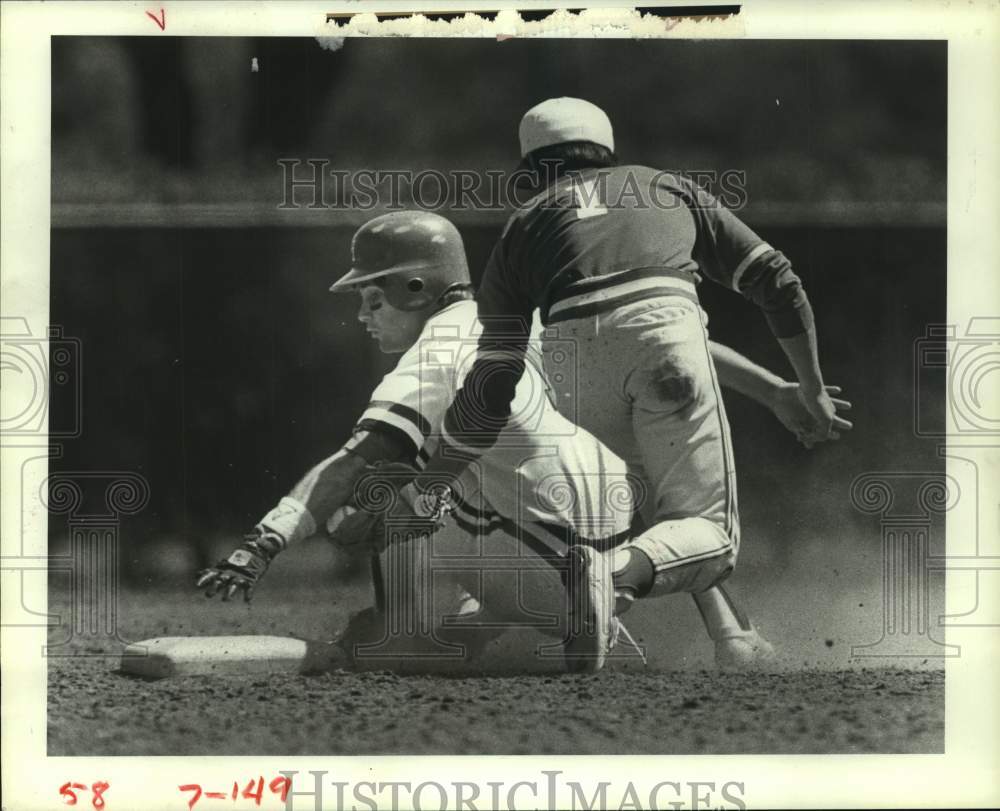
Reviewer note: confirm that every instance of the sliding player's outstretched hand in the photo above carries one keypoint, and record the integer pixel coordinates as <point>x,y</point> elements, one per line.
<point>242,570</point>
<point>790,407</point>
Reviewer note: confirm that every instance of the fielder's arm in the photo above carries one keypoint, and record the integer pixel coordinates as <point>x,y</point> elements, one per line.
<point>772,285</point>
<point>729,252</point>
<point>784,399</point>
<point>482,405</point>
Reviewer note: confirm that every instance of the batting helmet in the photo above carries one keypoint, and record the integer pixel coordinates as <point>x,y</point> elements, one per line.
<point>414,256</point>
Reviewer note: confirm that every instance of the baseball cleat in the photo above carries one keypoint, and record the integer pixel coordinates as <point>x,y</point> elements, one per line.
<point>593,628</point>
<point>745,651</point>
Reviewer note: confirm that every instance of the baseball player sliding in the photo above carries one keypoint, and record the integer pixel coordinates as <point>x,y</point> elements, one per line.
<point>611,255</point>
<point>541,488</point>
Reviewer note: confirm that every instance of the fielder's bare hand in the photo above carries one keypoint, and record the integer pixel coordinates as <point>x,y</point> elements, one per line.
<point>792,407</point>
<point>242,570</point>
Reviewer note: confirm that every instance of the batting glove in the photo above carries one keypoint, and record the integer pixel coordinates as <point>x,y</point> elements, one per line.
<point>243,568</point>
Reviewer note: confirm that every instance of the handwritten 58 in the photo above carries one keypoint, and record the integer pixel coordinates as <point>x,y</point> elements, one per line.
<point>68,792</point>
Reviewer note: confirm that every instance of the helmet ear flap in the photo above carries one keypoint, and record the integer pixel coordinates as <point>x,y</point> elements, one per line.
<point>417,295</point>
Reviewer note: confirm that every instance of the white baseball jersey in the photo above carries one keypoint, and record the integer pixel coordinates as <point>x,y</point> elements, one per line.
<point>546,477</point>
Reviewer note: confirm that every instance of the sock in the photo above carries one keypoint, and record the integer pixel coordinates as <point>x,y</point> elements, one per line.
<point>633,572</point>
<point>719,613</point>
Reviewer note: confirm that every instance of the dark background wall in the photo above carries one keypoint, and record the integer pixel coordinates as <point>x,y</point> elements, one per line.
<point>185,119</point>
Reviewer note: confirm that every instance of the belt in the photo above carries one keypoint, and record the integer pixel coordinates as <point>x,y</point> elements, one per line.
<point>602,293</point>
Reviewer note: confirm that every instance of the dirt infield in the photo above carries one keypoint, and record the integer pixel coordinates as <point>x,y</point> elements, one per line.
<point>381,713</point>
<point>675,705</point>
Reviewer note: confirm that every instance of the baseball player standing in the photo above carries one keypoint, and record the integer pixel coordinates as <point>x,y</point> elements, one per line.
<point>611,256</point>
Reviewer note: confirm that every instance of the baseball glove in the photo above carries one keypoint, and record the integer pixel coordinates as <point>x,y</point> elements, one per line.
<point>388,505</point>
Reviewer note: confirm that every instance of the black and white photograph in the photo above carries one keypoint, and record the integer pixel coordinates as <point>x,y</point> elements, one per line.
<point>497,395</point>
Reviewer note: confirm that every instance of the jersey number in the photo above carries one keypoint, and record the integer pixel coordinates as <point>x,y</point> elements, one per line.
<point>588,202</point>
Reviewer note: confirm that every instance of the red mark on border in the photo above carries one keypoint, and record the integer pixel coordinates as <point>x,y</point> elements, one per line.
<point>250,794</point>
<point>197,793</point>
<point>279,785</point>
<point>65,791</point>
<point>161,20</point>
<point>68,793</point>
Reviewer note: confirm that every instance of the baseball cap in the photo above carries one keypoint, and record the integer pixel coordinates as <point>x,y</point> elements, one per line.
<point>557,121</point>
